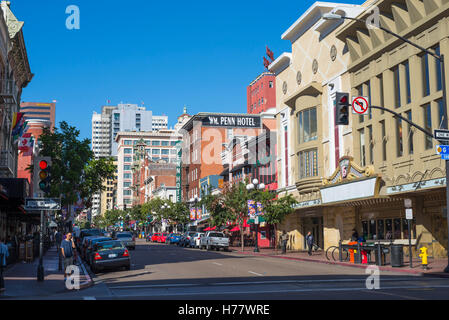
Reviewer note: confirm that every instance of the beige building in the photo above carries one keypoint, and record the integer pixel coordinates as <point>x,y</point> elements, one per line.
<point>309,143</point>
<point>400,77</point>
<point>109,195</point>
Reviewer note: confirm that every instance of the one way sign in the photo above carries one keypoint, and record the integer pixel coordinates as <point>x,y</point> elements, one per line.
<point>42,204</point>
<point>441,134</point>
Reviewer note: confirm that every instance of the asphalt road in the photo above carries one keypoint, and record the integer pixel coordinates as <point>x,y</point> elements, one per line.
<point>169,272</point>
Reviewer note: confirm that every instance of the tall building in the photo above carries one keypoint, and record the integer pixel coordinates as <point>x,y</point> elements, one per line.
<point>309,143</point>
<point>159,146</point>
<point>261,93</point>
<point>39,111</point>
<point>113,119</point>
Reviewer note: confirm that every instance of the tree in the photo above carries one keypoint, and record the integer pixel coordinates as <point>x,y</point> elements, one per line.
<point>180,213</point>
<point>276,208</point>
<point>235,201</point>
<point>214,204</point>
<point>74,171</point>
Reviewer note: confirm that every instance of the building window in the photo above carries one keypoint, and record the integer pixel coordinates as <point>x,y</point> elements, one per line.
<point>156,151</point>
<point>127,176</point>
<point>371,144</point>
<point>127,159</point>
<point>308,164</point>
<point>128,143</point>
<point>165,151</point>
<point>407,81</point>
<point>442,121</point>
<point>126,184</point>
<point>362,147</point>
<point>381,92</point>
<point>397,87</point>
<point>128,150</point>
<point>428,125</point>
<point>384,141</point>
<point>410,133</point>
<point>127,167</point>
<point>399,138</point>
<point>307,125</point>
<point>126,192</point>
<point>156,143</point>
<point>425,74</point>
<point>438,69</point>
<point>165,143</point>
<point>271,84</point>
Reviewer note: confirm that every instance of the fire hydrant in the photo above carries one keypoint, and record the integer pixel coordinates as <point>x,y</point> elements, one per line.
<point>423,256</point>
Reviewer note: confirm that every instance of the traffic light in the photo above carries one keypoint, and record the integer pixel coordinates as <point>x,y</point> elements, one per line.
<point>42,177</point>
<point>342,108</point>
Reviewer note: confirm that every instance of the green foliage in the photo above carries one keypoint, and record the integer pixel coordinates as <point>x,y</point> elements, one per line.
<point>276,209</point>
<point>74,171</point>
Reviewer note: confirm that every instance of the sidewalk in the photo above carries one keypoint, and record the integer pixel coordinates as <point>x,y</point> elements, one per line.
<point>21,278</point>
<point>436,266</point>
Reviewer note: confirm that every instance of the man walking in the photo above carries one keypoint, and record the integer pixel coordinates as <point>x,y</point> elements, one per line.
<point>284,242</point>
<point>68,252</point>
<point>309,240</point>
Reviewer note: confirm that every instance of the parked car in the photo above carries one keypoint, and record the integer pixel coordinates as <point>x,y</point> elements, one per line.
<point>185,239</point>
<point>173,238</point>
<point>86,233</point>
<point>195,240</point>
<point>110,254</point>
<point>155,237</point>
<point>148,237</point>
<point>163,237</point>
<point>214,240</point>
<point>84,245</point>
<point>127,238</point>
<point>90,247</point>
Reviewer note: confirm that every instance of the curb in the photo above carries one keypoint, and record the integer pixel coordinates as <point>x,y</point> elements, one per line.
<point>382,268</point>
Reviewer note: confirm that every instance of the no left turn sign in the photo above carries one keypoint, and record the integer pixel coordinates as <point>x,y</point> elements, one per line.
<point>360,105</point>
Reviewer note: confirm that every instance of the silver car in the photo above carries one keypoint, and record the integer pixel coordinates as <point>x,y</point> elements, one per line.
<point>127,239</point>
<point>195,240</point>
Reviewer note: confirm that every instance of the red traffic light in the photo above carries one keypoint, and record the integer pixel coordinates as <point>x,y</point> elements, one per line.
<point>344,100</point>
<point>43,164</point>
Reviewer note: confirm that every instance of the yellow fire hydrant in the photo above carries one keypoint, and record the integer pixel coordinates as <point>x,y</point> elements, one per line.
<point>423,256</point>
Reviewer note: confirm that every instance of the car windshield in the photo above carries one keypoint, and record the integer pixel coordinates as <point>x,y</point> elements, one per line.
<point>109,245</point>
<point>124,235</point>
<point>101,239</point>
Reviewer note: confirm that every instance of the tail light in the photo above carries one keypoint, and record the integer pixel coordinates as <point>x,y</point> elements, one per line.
<point>97,256</point>
<point>126,253</point>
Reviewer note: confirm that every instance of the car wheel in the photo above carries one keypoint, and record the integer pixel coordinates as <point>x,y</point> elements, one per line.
<point>207,247</point>
<point>217,248</point>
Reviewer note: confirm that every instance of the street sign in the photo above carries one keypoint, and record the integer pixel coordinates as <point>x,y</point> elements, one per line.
<point>360,105</point>
<point>441,134</point>
<point>443,151</point>
<point>409,214</point>
<point>408,203</point>
<point>42,204</point>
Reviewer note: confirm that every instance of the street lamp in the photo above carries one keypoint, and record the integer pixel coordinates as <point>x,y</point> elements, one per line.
<point>334,16</point>
<point>256,186</point>
<point>165,206</point>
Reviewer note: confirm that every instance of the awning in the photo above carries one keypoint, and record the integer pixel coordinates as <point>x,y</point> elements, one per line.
<point>237,228</point>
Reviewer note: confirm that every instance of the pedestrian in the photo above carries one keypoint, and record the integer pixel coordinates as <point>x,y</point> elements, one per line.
<point>4,252</point>
<point>58,239</point>
<point>309,240</point>
<point>68,252</point>
<point>284,239</point>
<point>355,235</point>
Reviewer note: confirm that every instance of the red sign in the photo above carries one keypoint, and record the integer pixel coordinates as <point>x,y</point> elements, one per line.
<point>360,105</point>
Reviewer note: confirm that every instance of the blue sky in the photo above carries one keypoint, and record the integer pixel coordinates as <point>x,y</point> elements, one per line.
<point>167,54</point>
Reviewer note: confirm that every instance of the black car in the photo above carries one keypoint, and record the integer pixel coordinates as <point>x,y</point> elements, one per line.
<point>110,255</point>
<point>185,239</point>
<point>86,233</point>
<point>90,247</point>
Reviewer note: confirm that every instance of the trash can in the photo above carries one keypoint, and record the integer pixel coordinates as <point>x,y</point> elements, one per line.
<point>397,255</point>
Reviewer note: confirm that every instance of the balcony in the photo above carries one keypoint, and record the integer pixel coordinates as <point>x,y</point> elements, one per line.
<point>8,91</point>
<point>6,164</point>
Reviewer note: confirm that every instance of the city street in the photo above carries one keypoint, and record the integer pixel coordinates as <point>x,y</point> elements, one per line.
<point>162,271</point>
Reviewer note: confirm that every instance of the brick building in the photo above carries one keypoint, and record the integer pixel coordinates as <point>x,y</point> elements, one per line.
<point>261,93</point>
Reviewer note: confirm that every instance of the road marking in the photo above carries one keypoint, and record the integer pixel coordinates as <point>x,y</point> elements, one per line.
<point>283,291</point>
<point>89,298</point>
<point>257,274</point>
<point>218,264</point>
<point>156,286</point>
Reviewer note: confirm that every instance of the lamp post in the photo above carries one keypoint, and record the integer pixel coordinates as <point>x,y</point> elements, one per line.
<point>439,57</point>
<point>256,186</point>
<point>165,207</point>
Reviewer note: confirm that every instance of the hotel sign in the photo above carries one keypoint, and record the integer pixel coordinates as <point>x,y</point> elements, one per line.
<point>242,121</point>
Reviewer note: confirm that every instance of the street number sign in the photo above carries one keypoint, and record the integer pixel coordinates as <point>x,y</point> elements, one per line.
<point>42,204</point>
<point>441,134</point>
<point>360,105</point>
